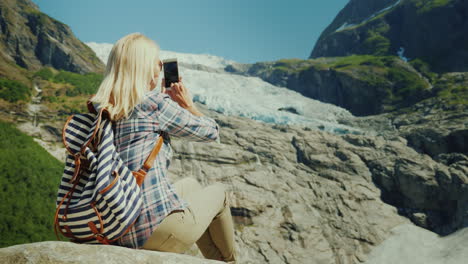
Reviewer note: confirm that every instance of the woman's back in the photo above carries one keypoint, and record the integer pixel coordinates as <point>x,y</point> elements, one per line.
<point>135,137</point>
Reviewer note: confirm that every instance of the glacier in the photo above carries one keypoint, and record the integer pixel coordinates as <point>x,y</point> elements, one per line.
<point>233,94</point>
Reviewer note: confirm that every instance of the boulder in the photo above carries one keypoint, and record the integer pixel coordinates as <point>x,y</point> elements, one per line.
<point>67,252</point>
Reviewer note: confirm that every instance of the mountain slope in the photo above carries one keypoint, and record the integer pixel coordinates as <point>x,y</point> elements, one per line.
<point>362,84</point>
<point>431,30</point>
<point>32,39</point>
<point>251,97</point>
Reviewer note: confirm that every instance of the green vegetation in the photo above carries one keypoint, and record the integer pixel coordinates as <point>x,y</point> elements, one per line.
<point>83,84</point>
<point>40,18</point>
<point>361,60</point>
<point>377,44</point>
<point>424,68</point>
<point>453,88</point>
<point>13,91</point>
<point>29,179</point>
<point>408,86</point>
<point>427,5</point>
<point>393,82</point>
<point>44,73</point>
<point>291,65</point>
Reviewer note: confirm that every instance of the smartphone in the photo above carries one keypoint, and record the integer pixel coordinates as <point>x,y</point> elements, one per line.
<point>171,72</point>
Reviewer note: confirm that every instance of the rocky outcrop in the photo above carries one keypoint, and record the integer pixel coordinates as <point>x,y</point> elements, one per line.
<point>32,39</point>
<point>430,30</point>
<point>304,196</point>
<point>364,85</point>
<point>67,252</point>
<point>435,126</point>
<point>410,244</point>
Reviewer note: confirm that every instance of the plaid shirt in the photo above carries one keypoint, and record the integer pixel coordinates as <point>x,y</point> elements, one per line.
<point>135,138</point>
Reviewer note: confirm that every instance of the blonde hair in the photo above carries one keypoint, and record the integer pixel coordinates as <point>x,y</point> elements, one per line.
<point>131,65</point>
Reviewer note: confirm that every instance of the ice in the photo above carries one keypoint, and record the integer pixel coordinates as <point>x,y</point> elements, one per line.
<point>401,54</point>
<point>251,97</point>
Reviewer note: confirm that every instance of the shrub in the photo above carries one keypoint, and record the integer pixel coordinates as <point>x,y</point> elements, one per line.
<point>45,74</point>
<point>13,91</point>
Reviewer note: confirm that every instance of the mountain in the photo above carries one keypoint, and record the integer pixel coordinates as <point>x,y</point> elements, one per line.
<point>232,94</point>
<point>31,39</point>
<point>380,56</point>
<point>362,84</point>
<point>309,182</point>
<point>430,30</point>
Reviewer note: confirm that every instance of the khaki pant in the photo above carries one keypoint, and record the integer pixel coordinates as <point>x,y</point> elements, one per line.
<point>207,221</point>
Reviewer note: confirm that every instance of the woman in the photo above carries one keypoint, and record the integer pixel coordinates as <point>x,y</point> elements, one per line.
<point>174,216</point>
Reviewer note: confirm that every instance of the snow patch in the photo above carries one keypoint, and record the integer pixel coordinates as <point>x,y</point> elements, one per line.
<point>401,54</point>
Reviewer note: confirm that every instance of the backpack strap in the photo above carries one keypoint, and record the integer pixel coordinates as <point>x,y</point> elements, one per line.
<point>148,164</point>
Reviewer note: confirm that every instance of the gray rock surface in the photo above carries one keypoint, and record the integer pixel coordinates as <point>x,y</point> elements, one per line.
<point>435,126</point>
<point>304,196</point>
<point>410,244</point>
<point>67,252</point>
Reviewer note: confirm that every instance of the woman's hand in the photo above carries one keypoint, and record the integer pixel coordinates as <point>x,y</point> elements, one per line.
<point>180,94</point>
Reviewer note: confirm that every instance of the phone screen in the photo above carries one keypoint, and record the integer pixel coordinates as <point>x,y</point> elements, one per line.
<point>171,73</point>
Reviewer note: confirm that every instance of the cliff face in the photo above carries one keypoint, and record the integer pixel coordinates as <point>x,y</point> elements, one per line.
<point>364,85</point>
<point>31,39</point>
<point>302,196</point>
<point>434,31</point>
<point>379,56</point>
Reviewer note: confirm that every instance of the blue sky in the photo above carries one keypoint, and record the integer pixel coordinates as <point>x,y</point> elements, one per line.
<point>241,30</point>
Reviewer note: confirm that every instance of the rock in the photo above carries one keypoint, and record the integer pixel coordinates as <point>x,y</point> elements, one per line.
<point>302,196</point>
<point>67,252</point>
<point>411,244</point>
<point>363,85</point>
<point>306,196</point>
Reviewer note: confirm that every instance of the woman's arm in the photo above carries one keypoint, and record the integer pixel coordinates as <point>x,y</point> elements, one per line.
<point>179,116</point>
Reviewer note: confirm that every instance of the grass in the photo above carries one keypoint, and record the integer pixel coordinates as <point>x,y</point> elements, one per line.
<point>427,5</point>
<point>29,180</point>
<point>452,90</point>
<point>397,85</point>
<point>66,92</point>
<point>13,91</point>
<point>424,68</point>
<point>81,84</point>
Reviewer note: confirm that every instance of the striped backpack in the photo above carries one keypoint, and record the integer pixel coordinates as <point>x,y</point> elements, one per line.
<point>99,198</point>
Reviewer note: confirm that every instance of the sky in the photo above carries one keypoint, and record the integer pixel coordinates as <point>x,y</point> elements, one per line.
<point>242,30</point>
